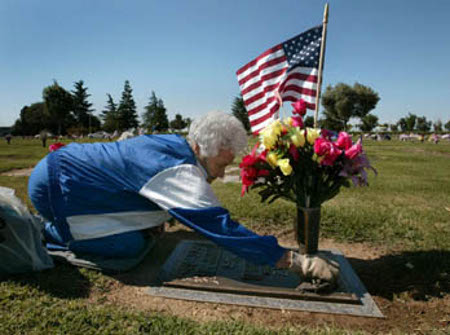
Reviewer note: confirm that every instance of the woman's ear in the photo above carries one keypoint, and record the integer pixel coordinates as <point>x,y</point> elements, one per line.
<point>196,150</point>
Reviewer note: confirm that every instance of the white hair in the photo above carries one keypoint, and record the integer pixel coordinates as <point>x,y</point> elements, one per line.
<point>217,130</point>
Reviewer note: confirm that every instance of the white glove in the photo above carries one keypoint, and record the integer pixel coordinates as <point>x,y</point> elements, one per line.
<point>314,267</point>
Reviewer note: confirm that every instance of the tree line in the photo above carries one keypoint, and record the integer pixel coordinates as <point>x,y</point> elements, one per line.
<point>343,102</point>
<point>62,112</point>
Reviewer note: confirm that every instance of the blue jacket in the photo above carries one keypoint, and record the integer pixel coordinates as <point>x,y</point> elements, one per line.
<point>101,189</point>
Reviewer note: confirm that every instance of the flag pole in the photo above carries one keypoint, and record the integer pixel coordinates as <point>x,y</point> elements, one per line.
<point>322,56</point>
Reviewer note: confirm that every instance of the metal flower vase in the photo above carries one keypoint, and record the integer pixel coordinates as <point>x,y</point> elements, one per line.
<point>307,229</point>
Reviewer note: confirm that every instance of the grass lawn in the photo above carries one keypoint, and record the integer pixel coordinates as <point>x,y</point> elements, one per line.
<point>406,209</point>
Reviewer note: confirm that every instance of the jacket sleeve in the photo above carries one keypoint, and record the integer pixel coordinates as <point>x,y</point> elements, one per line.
<point>183,191</point>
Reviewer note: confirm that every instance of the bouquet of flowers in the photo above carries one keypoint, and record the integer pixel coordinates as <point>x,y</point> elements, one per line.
<point>305,165</point>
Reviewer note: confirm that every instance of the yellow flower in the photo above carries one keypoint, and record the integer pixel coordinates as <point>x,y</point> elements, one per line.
<point>289,121</point>
<point>276,127</point>
<point>269,138</point>
<point>285,167</point>
<point>312,134</point>
<point>298,138</point>
<point>272,159</point>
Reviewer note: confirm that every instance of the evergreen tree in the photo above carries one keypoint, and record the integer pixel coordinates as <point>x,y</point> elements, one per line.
<point>155,116</point>
<point>239,111</point>
<point>82,107</point>
<point>127,114</point>
<point>110,115</point>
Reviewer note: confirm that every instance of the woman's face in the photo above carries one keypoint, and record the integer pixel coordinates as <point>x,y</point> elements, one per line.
<point>215,166</point>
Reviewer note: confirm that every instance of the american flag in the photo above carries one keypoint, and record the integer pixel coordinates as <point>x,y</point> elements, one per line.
<point>286,72</point>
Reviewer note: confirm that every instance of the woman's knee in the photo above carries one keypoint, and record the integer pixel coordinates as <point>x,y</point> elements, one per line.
<point>129,244</point>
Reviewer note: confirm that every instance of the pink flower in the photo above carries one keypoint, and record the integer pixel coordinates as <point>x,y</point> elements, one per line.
<point>354,151</point>
<point>55,146</point>
<point>297,121</point>
<point>344,141</point>
<point>331,156</point>
<point>294,152</point>
<point>299,107</point>
<point>324,147</point>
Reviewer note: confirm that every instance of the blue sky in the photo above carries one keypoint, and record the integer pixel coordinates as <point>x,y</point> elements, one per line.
<point>188,51</point>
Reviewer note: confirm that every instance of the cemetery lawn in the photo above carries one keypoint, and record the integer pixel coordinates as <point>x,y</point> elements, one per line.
<point>395,233</point>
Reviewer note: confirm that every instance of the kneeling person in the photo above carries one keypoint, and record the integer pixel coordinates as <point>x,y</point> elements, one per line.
<point>99,197</point>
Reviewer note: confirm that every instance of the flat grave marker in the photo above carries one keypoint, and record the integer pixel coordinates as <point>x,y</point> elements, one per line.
<point>202,271</point>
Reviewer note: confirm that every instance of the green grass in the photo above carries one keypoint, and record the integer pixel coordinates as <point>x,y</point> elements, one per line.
<point>404,204</point>
<point>55,302</point>
<point>403,209</point>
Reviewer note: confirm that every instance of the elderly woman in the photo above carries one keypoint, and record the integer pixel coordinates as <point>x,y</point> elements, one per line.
<point>98,198</point>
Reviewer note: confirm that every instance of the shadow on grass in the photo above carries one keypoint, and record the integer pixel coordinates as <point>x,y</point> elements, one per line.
<point>64,281</point>
<point>420,274</point>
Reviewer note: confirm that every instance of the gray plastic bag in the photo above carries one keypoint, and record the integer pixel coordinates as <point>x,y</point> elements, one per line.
<point>21,248</point>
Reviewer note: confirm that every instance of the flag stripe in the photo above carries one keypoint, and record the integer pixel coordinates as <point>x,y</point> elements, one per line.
<point>269,79</point>
<point>259,114</point>
<point>261,106</point>
<point>261,94</point>
<point>261,59</point>
<point>305,97</point>
<point>267,73</point>
<point>301,90</point>
<point>267,67</point>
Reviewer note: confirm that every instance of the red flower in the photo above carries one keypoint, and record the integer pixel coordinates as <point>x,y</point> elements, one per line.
<point>248,161</point>
<point>299,107</point>
<point>297,121</point>
<point>294,152</point>
<point>262,156</point>
<point>55,146</point>
<point>263,173</point>
<point>248,172</point>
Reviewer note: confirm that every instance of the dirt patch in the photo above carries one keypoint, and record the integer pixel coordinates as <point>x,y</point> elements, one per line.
<point>406,307</point>
<point>18,173</point>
